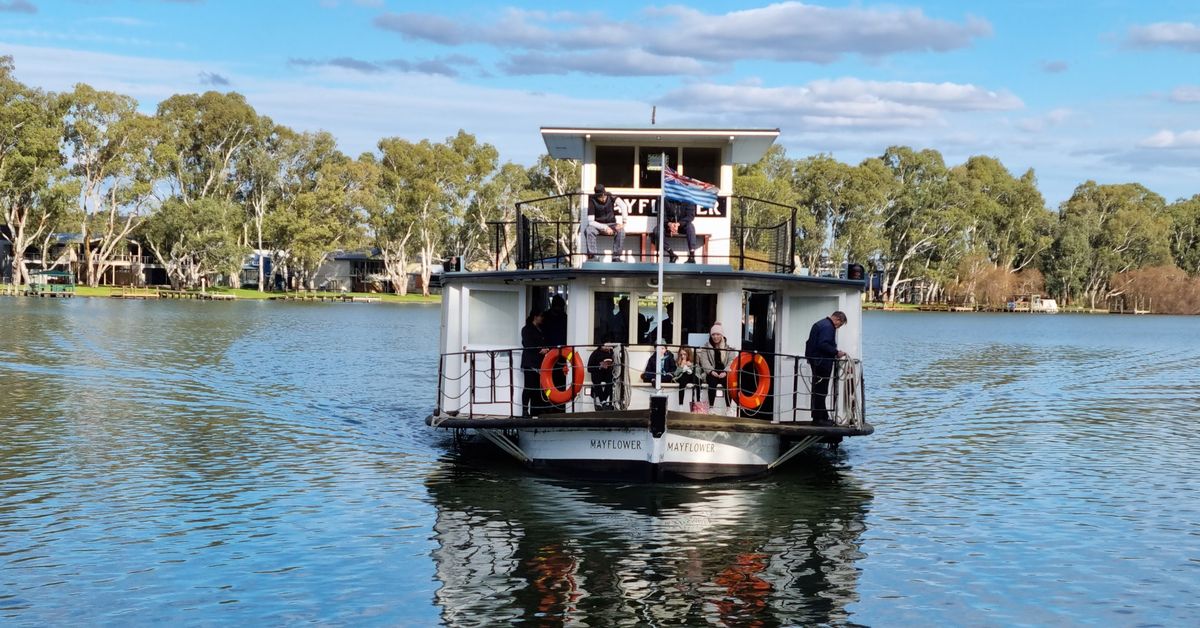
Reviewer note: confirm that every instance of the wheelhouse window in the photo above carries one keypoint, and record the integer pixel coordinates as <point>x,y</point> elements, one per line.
<point>610,318</point>
<point>653,178</point>
<point>703,164</point>
<point>614,166</point>
<point>699,312</point>
<point>647,323</point>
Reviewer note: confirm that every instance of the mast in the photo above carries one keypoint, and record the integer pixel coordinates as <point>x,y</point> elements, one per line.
<point>662,234</point>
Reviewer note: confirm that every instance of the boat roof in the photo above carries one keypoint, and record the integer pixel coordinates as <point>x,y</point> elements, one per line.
<point>749,145</point>
<point>642,270</point>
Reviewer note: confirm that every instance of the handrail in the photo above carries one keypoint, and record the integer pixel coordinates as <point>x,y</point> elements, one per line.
<point>552,239</point>
<point>488,383</point>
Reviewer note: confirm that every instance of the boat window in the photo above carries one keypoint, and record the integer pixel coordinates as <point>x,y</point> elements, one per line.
<point>703,164</point>
<point>614,166</point>
<point>610,318</point>
<point>698,314</point>
<point>493,318</point>
<point>653,179</point>
<point>647,325</point>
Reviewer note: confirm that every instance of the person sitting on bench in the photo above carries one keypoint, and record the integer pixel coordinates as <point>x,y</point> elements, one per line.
<point>607,219</point>
<point>679,216</point>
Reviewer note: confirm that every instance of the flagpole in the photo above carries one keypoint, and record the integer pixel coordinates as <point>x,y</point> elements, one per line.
<point>662,234</point>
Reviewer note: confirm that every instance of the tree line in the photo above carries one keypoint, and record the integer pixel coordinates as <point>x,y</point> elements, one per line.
<point>205,180</point>
<point>976,234</point>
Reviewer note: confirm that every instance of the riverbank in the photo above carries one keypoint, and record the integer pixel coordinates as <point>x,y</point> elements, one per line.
<point>936,307</point>
<point>241,294</point>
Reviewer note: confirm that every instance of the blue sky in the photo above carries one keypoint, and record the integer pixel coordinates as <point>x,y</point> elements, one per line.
<point>1103,90</point>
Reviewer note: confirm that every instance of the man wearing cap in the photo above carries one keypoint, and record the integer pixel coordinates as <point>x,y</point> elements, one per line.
<point>821,352</point>
<point>606,219</point>
<point>715,357</point>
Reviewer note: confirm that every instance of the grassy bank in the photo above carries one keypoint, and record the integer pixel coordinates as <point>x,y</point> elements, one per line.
<point>244,294</point>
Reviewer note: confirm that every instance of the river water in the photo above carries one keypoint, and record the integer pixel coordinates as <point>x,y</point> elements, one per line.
<point>267,463</point>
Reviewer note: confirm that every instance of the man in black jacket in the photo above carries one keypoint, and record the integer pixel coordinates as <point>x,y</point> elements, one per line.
<point>822,352</point>
<point>679,217</point>
<point>604,219</point>
<point>533,343</point>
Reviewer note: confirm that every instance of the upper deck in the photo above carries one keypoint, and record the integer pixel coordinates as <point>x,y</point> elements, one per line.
<point>739,232</point>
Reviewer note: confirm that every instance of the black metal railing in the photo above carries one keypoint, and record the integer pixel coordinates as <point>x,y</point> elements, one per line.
<point>489,383</point>
<point>545,233</point>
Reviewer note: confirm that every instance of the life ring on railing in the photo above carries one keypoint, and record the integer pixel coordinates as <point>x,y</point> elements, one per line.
<point>755,400</point>
<point>573,385</point>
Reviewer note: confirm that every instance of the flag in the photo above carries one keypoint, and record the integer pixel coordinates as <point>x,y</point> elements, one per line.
<point>680,188</point>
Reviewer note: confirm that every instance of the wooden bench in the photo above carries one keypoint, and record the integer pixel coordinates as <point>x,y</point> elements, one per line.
<point>648,246</point>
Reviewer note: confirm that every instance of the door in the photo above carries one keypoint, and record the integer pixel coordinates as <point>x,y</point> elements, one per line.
<point>759,322</point>
<point>491,345</point>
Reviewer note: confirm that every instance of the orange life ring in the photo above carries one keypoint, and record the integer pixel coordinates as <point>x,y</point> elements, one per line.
<point>752,401</point>
<point>574,384</point>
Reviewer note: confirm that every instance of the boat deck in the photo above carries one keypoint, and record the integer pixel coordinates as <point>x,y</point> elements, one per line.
<point>640,419</point>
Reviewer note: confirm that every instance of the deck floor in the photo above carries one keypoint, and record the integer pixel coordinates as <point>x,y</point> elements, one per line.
<point>639,419</point>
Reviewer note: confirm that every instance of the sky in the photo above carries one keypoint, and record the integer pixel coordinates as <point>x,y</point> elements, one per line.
<point>1104,90</point>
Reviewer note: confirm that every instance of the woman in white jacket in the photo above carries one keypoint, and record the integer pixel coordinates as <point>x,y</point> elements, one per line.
<point>714,358</point>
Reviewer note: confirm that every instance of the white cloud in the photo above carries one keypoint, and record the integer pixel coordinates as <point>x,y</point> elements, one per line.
<point>1182,35</point>
<point>787,31</point>
<point>1171,140</point>
<point>611,63</point>
<point>845,102</point>
<point>1186,94</point>
<point>358,109</point>
<point>1052,118</point>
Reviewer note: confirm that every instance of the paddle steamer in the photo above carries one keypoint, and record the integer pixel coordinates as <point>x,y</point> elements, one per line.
<point>743,276</point>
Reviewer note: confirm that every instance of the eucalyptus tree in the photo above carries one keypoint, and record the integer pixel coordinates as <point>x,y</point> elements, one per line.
<point>111,151</point>
<point>260,179</point>
<point>319,207</point>
<point>924,221</point>
<point>1009,221</point>
<point>390,228</point>
<point>194,240</point>
<point>858,225</point>
<point>1104,230</point>
<point>204,136</point>
<point>554,177</point>
<point>431,184</point>
<point>1185,234</point>
<point>767,192</point>
<point>31,189</point>
<point>492,215</point>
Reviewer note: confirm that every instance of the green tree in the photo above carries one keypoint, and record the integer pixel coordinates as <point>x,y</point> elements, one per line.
<point>768,199</point>
<point>111,155</point>
<point>491,216</point>
<point>1105,230</point>
<point>1185,234</point>
<point>431,185</point>
<point>924,221</point>
<point>204,136</point>
<point>1009,221</point>
<point>320,208</point>
<point>194,241</point>
<point>31,192</point>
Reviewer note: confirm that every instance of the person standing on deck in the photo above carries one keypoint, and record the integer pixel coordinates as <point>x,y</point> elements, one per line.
<point>533,343</point>
<point>604,219</point>
<point>821,352</point>
<point>555,323</point>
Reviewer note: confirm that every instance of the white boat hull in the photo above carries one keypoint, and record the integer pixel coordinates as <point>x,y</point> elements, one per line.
<point>616,452</point>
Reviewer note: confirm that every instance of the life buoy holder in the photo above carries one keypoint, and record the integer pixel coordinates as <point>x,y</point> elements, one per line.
<point>754,400</point>
<point>572,367</point>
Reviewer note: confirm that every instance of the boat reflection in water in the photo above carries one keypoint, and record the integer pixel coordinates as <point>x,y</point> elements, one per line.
<point>782,550</point>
